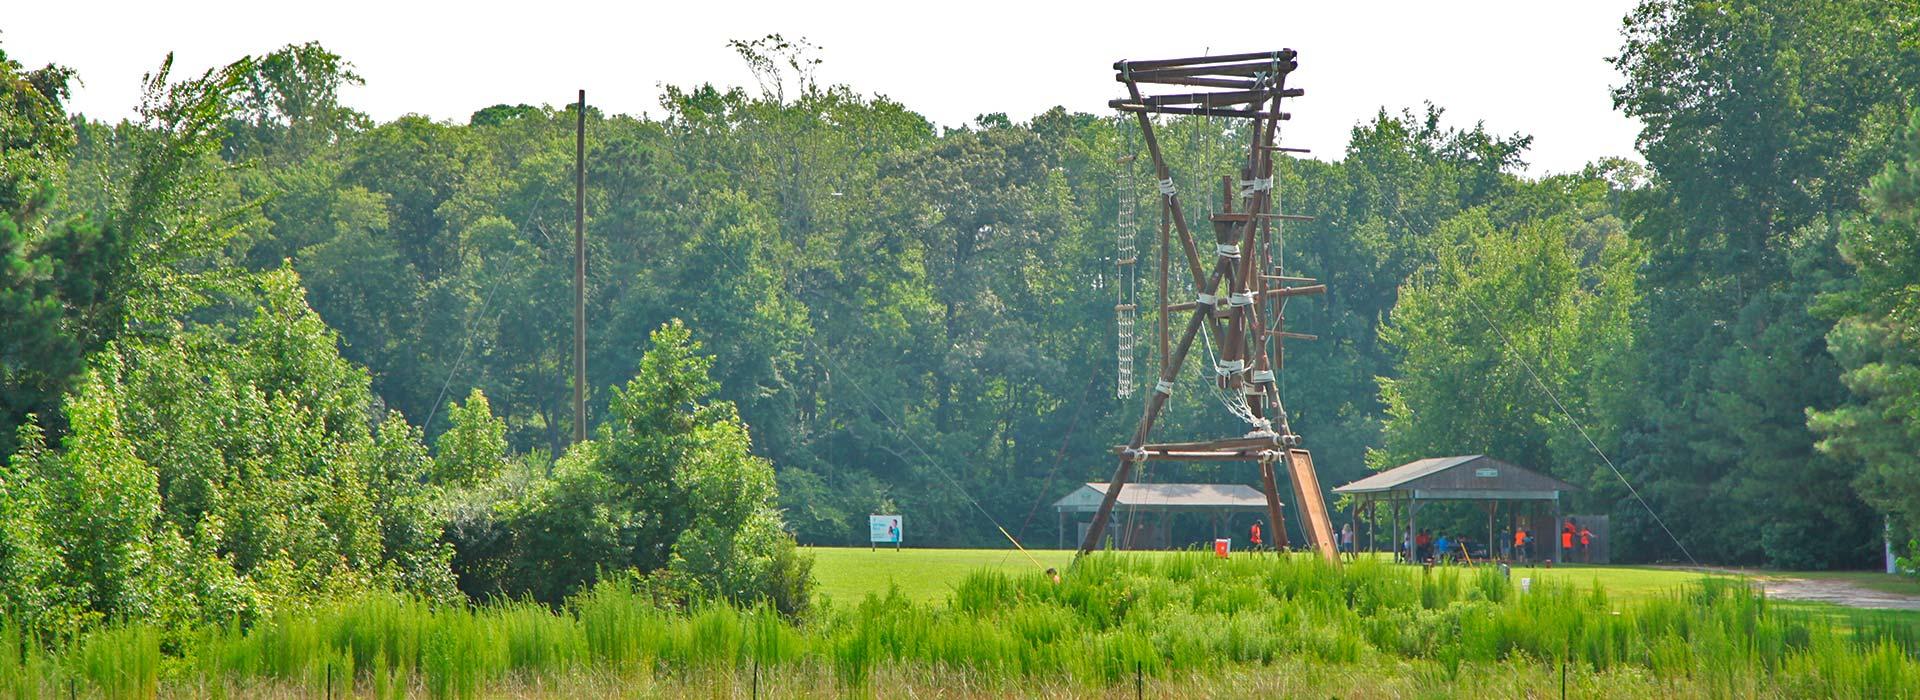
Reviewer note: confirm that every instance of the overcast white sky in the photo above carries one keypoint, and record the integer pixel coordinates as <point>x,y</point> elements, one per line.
<point>1533,67</point>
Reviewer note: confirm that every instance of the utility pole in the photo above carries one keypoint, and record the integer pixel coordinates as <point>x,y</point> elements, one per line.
<point>580,271</point>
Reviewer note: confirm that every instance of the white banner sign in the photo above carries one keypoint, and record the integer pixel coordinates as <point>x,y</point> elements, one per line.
<point>883,528</point>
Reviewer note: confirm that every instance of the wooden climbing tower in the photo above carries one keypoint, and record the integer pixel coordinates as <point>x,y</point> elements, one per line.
<point>1239,290</point>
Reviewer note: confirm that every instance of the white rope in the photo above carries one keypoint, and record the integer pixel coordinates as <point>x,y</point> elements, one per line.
<point>1240,299</point>
<point>1227,250</point>
<point>1206,300</point>
<point>1167,188</point>
<point>1261,184</point>
<point>1237,404</point>
<point>1163,386</point>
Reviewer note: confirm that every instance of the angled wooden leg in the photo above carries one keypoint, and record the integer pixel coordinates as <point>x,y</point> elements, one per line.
<point>1156,400</point>
<point>1276,517</point>
<point>1313,507</point>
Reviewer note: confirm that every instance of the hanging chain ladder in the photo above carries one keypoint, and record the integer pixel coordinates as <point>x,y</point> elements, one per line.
<point>1125,257</point>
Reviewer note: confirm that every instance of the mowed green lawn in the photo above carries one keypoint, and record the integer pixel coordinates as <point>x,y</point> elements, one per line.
<point>848,574</point>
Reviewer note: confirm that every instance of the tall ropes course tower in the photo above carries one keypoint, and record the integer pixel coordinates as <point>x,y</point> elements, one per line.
<point>1238,306</point>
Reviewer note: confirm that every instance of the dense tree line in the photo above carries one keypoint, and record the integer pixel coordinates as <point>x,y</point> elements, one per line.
<point>262,306</point>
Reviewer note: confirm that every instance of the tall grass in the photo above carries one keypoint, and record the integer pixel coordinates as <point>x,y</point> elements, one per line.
<point>1113,619</point>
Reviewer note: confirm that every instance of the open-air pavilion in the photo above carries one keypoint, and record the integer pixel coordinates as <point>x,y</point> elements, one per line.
<point>1146,511</point>
<point>1488,481</point>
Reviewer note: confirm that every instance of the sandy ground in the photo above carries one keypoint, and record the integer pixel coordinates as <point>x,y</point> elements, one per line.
<point>1836,592</point>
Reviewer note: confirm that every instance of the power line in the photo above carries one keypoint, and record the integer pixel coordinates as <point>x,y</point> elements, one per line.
<point>962,490</point>
<point>1528,366</point>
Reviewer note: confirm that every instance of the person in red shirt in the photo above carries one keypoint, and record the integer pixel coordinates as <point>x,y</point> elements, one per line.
<point>1254,536</point>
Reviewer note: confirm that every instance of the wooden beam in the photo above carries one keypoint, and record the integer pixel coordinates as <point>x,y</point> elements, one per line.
<point>1218,98</point>
<point>1271,293</point>
<point>1203,456</point>
<point>1312,505</point>
<point>1229,83</point>
<point>1133,72</point>
<point>1190,111</point>
<point>1151,64</point>
<point>1222,445</point>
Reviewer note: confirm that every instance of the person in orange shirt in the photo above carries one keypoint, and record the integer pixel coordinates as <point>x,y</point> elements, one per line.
<point>1253,536</point>
<point>1586,545</point>
<point>1566,540</point>
<point>1520,544</point>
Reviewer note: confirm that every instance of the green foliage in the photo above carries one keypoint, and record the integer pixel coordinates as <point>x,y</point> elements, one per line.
<point>1875,341</point>
<point>474,449</point>
<point>219,474</point>
<point>670,486</point>
<point>35,136</point>
<point>1758,142</point>
<point>1460,389</point>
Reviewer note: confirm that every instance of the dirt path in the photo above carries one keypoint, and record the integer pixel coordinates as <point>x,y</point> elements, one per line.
<point>1835,592</point>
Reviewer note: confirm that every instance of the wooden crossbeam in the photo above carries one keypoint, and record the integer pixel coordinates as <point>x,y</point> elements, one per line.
<point>1280,292</point>
<point>1138,75</point>
<point>1150,64</point>
<point>1219,98</point>
<point>1231,83</point>
<point>1203,456</point>
<point>1221,445</point>
<point>1193,111</point>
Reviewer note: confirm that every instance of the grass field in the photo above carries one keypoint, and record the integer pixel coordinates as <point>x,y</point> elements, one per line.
<point>848,574</point>
<point>1176,624</point>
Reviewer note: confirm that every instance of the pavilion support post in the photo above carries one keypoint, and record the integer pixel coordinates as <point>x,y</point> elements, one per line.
<point>1393,512</point>
<point>1372,544</point>
<point>1492,547</point>
<point>1554,529</point>
<point>1413,528</point>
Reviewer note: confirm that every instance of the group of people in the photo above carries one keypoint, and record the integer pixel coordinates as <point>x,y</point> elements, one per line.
<point>1425,546</point>
<point>1346,538</point>
<point>1576,542</point>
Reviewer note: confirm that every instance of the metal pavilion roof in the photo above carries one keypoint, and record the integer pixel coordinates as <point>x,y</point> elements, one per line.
<point>1485,476</point>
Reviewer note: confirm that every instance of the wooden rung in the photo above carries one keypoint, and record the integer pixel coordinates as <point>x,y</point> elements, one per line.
<point>1298,291</point>
<point>1289,279</point>
<point>1125,307</point>
<point>1293,335</point>
<point>1128,158</point>
<point>1287,217</point>
<point>1285,149</point>
<point>1126,261</point>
